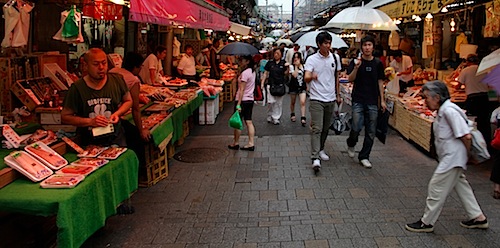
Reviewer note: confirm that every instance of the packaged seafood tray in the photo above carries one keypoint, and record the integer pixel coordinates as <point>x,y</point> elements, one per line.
<point>76,170</point>
<point>92,151</point>
<point>96,162</point>
<point>61,181</point>
<point>27,165</point>
<point>45,154</point>
<point>112,152</point>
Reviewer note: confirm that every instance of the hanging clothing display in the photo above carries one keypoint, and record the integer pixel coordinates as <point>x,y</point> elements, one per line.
<point>492,26</point>
<point>71,21</point>
<point>177,47</point>
<point>17,23</point>
<point>461,39</point>
<point>394,40</point>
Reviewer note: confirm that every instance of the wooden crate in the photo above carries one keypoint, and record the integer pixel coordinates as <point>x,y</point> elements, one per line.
<point>185,133</point>
<point>228,92</point>
<point>403,117</point>
<point>420,132</point>
<point>156,165</point>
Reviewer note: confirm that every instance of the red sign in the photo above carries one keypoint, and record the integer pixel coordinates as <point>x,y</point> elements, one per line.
<point>102,10</point>
<point>180,12</point>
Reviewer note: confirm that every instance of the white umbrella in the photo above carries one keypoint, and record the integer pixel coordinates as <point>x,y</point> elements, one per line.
<point>362,18</point>
<point>277,33</point>
<point>309,39</point>
<point>267,40</point>
<point>488,62</point>
<point>285,41</point>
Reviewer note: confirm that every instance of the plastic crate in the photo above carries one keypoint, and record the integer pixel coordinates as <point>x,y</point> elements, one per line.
<point>156,165</point>
<point>208,111</point>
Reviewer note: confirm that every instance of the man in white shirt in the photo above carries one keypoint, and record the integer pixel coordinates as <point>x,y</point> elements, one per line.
<point>404,69</point>
<point>187,65</point>
<point>477,95</point>
<point>152,66</point>
<point>290,52</point>
<point>202,57</point>
<point>320,70</point>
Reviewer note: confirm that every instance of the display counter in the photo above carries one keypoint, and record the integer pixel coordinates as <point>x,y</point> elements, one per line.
<point>79,211</point>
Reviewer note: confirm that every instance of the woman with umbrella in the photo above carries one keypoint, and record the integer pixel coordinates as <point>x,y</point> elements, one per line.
<point>275,72</point>
<point>244,102</point>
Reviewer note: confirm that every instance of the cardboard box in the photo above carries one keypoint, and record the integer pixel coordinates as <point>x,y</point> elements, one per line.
<point>65,128</point>
<point>7,175</point>
<point>58,76</point>
<point>25,94</point>
<point>49,116</point>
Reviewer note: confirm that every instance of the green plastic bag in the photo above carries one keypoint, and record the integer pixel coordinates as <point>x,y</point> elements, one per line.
<point>235,121</point>
<point>70,27</point>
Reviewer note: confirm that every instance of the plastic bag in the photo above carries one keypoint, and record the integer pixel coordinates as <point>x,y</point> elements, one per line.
<point>235,121</point>
<point>495,142</point>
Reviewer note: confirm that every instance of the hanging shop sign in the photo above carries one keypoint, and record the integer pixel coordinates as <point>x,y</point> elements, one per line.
<point>102,10</point>
<point>405,8</point>
<point>174,13</point>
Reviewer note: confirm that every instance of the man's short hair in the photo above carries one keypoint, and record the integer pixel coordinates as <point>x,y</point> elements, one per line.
<point>473,58</point>
<point>90,52</point>
<point>368,38</point>
<point>397,53</point>
<point>132,60</point>
<point>187,47</point>
<point>160,49</point>
<point>322,37</point>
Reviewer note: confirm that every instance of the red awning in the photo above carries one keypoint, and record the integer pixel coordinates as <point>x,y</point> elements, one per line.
<point>102,10</point>
<point>180,12</point>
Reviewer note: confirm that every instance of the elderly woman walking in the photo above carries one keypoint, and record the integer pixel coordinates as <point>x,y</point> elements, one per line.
<point>453,141</point>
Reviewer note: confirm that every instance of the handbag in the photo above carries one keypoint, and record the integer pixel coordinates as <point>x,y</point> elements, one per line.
<point>277,89</point>
<point>257,93</point>
<point>479,149</point>
<point>495,142</point>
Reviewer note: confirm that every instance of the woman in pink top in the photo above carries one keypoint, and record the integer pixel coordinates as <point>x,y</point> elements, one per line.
<point>244,102</point>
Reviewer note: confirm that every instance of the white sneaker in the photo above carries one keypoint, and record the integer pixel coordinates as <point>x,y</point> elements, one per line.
<point>323,155</point>
<point>350,152</point>
<point>316,164</point>
<point>366,163</point>
<point>269,119</point>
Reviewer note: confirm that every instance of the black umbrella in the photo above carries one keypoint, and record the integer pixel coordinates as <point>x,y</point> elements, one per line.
<point>297,35</point>
<point>238,48</point>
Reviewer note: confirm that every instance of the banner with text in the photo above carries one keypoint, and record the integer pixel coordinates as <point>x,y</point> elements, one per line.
<point>404,8</point>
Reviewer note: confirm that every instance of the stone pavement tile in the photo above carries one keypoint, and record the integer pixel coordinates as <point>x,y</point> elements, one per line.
<point>269,223</point>
<point>316,204</point>
<point>292,244</point>
<point>324,231</point>
<point>292,174</point>
<point>297,205</point>
<point>344,243</point>
<point>358,193</point>
<point>434,240</point>
<point>268,195</point>
<point>341,193</point>
<point>392,229</point>
<point>250,195</point>
<point>232,196</point>
<point>369,230</point>
<point>280,233</point>
<point>219,207</point>
<point>321,193</point>
<point>335,204</point>
<point>259,206</point>
<point>259,185</point>
<point>484,239</point>
<point>214,196</point>
<point>242,186</point>
<point>286,194</point>
<point>237,235</point>
<point>364,242</point>
<point>257,234</point>
<point>238,206</point>
<point>222,245</point>
<point>304,193</point>
<point>355,204</point>
<point>211,235</point>
<point>302,232</point>
<point>245,245</point>
<point>269,245</point>
<point>189,235</point>
<point>316,243</point>
<point>277,184</point>
<point>458,241</point>
<point>310,183</point>
<point>347,230</point>
<point>199,207</point>
<point>389,242</point>
<point>278,206</point>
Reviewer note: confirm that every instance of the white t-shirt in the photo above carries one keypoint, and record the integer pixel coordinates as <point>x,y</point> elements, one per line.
<point>130,79</point>
<point>151,62</point>
<point>324,88</point>
<point>472,82</point>
<point>449,126</point>
<point>403,66</point>
<point>187,65</point>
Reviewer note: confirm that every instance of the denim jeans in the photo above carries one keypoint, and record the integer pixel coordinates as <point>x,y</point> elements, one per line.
<point>321,119</point>
<point>363,115</point>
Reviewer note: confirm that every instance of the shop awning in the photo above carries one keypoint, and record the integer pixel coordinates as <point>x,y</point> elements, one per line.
<point>404,8</point>
<point>174,13</point>
<point>240,29</point>
<point>378,3</point>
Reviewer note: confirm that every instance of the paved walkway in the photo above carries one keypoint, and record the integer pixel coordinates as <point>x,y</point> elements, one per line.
<point>271,198</point>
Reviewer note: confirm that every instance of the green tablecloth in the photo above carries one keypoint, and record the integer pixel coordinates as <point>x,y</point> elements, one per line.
<point>82,210</point>
<point>182,113</point>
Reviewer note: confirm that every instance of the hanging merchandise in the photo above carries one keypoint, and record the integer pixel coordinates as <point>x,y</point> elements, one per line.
<point>177,47</point>
<point>461,39</point>
<point>17,23</point>
<point>492,26</point>
<point>394,40</point>
<point>87,28</point>
<point>71,21</point>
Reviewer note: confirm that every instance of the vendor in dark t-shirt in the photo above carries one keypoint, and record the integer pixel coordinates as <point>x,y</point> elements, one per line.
<point>97,100</point>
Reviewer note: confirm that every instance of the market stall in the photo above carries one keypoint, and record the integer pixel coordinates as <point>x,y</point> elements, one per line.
<point>80,211</point>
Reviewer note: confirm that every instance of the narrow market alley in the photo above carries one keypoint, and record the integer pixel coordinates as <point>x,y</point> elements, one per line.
<point>271,198</point>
